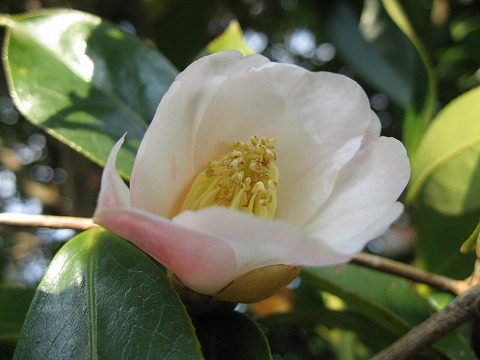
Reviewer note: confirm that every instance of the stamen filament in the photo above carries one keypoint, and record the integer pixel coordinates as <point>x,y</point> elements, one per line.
<point>245,178</point>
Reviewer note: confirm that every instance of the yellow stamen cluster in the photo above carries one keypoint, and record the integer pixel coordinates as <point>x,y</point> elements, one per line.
<point>246,178</point>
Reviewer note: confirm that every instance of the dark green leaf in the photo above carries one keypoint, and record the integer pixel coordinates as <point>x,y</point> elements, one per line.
<point>387,300</point>
<point>380,66</point>
<point>439,240</point>
<point>84,81</point>
<point>14,306</point>
<point>231,335</point>
<point>421,107</point>
<point>387,58</point>
<point>373,335</point>
<point>102,298</point>
<point>181,27</point>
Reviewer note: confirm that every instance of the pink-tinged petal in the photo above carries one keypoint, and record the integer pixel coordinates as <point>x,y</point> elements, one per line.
<point>319,121</point>
<point>258,242</point>
<point>164,167</point>
<point>202,262</point>
<point>250,237</point>
<point>375,176</point>
<point>113,191</point>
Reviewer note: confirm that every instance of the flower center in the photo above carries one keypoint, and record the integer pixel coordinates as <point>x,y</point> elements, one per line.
<point>246,178</point>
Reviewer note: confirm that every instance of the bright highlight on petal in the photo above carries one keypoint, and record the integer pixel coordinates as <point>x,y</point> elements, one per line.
<point>246,179</point>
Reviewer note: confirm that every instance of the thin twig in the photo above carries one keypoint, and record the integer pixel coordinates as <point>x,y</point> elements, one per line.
<point>363,259</point>
<point>410,272</point>
<point>76,223</point>
<point>463,308</point>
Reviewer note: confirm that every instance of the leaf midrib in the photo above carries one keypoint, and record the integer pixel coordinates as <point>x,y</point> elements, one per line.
<point>92,311</point>
<point>437,164</point>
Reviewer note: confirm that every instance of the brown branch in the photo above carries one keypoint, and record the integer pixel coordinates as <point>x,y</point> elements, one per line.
<point>410,272</point>
<point>363,259</point>
<point>76,223</point>
<point>463,308</point>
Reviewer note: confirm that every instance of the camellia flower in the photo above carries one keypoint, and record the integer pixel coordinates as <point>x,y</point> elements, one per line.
<point>251,169</point>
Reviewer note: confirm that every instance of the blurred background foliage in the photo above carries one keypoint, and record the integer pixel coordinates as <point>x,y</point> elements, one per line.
<point>38,174</point>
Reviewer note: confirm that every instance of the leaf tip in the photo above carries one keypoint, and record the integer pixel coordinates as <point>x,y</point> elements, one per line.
<point>6,21</point>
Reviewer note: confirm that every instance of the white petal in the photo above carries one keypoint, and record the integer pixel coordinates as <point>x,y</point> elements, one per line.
<point>258,242</point>
<point>318,119</point>
<point>203,262</point>
<point>164,167</point>
<point>349,234</point>
<point>376,176</point>
<point>113,191</point>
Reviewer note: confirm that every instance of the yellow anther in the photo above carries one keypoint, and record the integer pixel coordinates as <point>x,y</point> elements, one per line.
<point>246,178</point>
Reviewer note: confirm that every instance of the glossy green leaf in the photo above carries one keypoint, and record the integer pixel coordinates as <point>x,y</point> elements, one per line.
<point>231,335</point>
<point>387,300</point>
<point>84,81</point>
<point>446,170</point>
<point>102,298</point>
<point>14,306</point>
<point>230,39</point>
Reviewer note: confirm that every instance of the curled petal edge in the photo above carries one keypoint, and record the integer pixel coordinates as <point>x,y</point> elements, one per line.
<point>363,225</point>
<point>113,191</point>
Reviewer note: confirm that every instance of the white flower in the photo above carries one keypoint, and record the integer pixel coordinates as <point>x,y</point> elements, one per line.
<point>324,182</point>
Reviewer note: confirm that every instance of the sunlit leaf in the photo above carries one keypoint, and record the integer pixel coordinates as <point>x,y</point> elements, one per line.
<point>230,39</point>
<point>102,298</point>
<point>446,170</point>
<point>84,80</point>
